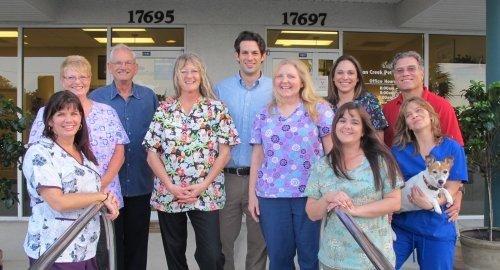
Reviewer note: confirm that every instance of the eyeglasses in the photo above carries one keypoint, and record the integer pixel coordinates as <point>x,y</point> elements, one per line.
<point>74,78</point>
<point>410,69</point>
<point>121,63</point>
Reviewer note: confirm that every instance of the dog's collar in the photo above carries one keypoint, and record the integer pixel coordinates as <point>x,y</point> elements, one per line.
<point>431,187</point>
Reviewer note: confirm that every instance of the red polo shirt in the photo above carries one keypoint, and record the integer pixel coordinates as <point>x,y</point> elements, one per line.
<point>447,117</point>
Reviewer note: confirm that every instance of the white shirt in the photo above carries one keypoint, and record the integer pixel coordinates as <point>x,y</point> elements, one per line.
<point>46,164</point>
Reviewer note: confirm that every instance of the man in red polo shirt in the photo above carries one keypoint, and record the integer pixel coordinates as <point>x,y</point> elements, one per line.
<point>408,71</point>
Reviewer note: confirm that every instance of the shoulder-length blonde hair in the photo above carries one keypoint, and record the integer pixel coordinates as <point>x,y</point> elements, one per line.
<point>195,60</point>
<point>404,135</point>
<point>307,92</point>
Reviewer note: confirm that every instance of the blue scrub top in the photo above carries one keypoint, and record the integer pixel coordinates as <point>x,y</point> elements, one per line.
<point>424,222</point>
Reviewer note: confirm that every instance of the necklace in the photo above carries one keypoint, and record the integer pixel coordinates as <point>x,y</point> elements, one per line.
<point>73,152</point>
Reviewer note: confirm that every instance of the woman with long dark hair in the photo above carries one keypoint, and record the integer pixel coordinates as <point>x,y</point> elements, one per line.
<point>62,180</point>
<point>106,136</point>
<point>345,84</point>
<point>359,176</point>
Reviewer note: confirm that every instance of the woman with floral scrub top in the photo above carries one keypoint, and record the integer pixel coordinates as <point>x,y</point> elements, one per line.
<point>288,137</point>
<point>345,84</point>
<point>188,143</point>
<point>106,133</point>
<point>361,177</point>
<point>62,180</point>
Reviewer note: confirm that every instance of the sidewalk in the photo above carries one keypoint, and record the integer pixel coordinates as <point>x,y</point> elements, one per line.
<point>12,235</point>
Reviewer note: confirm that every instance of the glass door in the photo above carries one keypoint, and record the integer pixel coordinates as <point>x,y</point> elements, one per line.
<point>323,63</point>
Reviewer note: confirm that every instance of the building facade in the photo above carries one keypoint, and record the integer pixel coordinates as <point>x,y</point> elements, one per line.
<point>35,36</point>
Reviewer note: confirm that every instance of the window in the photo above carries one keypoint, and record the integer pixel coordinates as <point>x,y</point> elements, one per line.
<point>287,38</point>
<point>147,37</point>
<point>8,89</point>
<point>44,51</point>
<point>454,60</point>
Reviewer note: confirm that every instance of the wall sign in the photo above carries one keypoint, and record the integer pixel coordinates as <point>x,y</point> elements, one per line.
<point>151,16</point>
<point>295,18</point>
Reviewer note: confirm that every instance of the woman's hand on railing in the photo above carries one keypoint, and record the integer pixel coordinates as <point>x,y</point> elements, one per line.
<point>339,198</point>
<point>353,210</point>
<point>111,204</point>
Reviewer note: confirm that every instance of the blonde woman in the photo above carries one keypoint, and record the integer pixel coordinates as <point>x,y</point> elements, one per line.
<point>188,145</point>
<point>288,136</point>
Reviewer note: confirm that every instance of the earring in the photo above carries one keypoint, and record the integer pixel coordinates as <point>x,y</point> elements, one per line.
<point>80,128</point>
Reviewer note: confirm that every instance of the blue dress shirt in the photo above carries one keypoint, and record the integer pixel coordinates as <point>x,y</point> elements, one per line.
<point>243,104</point>
<point>135,113</point>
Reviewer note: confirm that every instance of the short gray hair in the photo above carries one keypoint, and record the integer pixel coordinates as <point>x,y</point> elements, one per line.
<point>412,54</point>
<point>119,47</point>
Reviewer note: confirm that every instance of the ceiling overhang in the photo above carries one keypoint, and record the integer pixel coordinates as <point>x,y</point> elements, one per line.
<point>468,15</point>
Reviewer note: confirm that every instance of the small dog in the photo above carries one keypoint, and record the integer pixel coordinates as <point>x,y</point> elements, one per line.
<point>431,181</point>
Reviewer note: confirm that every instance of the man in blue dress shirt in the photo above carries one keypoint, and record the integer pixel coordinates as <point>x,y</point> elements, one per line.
<point>135,105</point>
<point>245,94</point>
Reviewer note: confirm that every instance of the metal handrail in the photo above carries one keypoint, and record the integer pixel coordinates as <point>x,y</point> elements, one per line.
<point>372,252</point>
<point>46,260</point>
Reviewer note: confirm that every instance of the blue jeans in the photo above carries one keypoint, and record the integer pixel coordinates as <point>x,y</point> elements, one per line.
<point>431,254</point>
<point>287,230</point>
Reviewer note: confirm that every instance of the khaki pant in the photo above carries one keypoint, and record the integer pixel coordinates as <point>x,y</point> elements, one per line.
<point>230,225</point>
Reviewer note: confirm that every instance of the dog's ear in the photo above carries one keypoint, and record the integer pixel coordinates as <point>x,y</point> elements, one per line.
<point>429,160</point>
<point>449,160</point>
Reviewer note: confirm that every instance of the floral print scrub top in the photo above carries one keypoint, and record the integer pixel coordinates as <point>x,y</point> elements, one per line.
<point>46,164</point>
<point>291,145</point>
<point>188,144</point>
<point>105,132</point>
<point>338,249</point>
<point>371,105</point>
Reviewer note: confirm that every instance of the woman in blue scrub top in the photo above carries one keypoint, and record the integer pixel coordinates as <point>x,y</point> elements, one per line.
<point>433,235</point>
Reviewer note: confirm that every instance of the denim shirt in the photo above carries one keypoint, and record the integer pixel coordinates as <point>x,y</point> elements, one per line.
<point>243,104</point>
<point>135,113</point>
